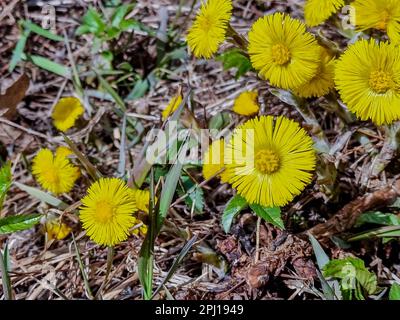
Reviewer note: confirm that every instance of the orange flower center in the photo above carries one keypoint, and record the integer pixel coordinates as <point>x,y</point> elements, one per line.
<point>267,161</point>
<point>280,54</point>
<point>104,212</point>
<point>380,81</point>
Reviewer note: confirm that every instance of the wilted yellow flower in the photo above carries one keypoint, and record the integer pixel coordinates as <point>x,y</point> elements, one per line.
<point>323,82</point>
<point>317,11</point>
<point>283,51</point>
<point>142,198</point>
<point>56,229</point>
<point>246,103</point>
<point>367,77</point>
<point>172,106</point>
<point>382,15</point>
<point>269,162</point>
<point>66,112</point>
<point>107,211</point>
<point>209,28</point>
<point>213,160</point>
<point>54,173</point>
<point>139,228</point>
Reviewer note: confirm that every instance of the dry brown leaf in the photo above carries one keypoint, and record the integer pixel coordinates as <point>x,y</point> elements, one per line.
<point>13,96</point>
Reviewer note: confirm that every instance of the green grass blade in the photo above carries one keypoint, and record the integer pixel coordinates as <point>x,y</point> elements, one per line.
<point>110,90</point>
<point>82,268</point>
<point>168,191</point>
<point>19,50</point>
<point>122,147</point>
<point>5,279</point>
<point>40,31</point>
<point>146,258</point>
<point>89,167</point>
<point>5,181</point>
<point>48,65</point>
<point>42,196</point>
<point>178,260</point>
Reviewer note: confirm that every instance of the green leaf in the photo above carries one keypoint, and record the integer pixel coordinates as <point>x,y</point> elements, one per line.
<point>18,223</point>
<point>92,22</point>
<point>271,215</point>
<point>5,181</point>
<point>139,90</point>
<point>195,195</point>
<point>232,209</point>
<point>235,59</point>
<point>354,277</point>
<point>394,293</point>
<point>377,217</point>
<point>120,14</point>
<point>42,196</point>
<point>40,31</point>
<point>220,121</point>
<point>19,50</point>
<point>48,65</point>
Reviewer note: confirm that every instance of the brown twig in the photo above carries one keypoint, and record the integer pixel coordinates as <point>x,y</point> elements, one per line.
<point>346,217</point>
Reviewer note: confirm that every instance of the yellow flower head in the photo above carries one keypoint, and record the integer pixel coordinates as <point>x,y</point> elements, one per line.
<point>283,51</point>
<point>63,152</point>
<point>246,103</point>
<point>54,173</point>
<point>106,211</point>
<point>383,15</point>
<point>56,229</point>
<point>209,28</point>
<point>172,106</point>
<point>317,11</point>
<point>323,82</point>
<point>213,160</point>
<point>142,198</point>
<point>269,162</point>
<point>367,77</point>
<point>66,112</point>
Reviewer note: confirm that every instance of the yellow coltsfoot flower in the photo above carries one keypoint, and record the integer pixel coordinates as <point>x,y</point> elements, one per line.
<point>54,173</point>
<point>107,211</point>
<point>213,160</point>
<point>209,28</point>
<point>173,105</point>
<point>283,51</point>
<point>246,104</point>
<point>318,11</point>
<point>66,112</point>
<point>142,198</point>
<point>382,15</point>
<point>323,82</point>
<point>367,77</point>
<point>268,161</point>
